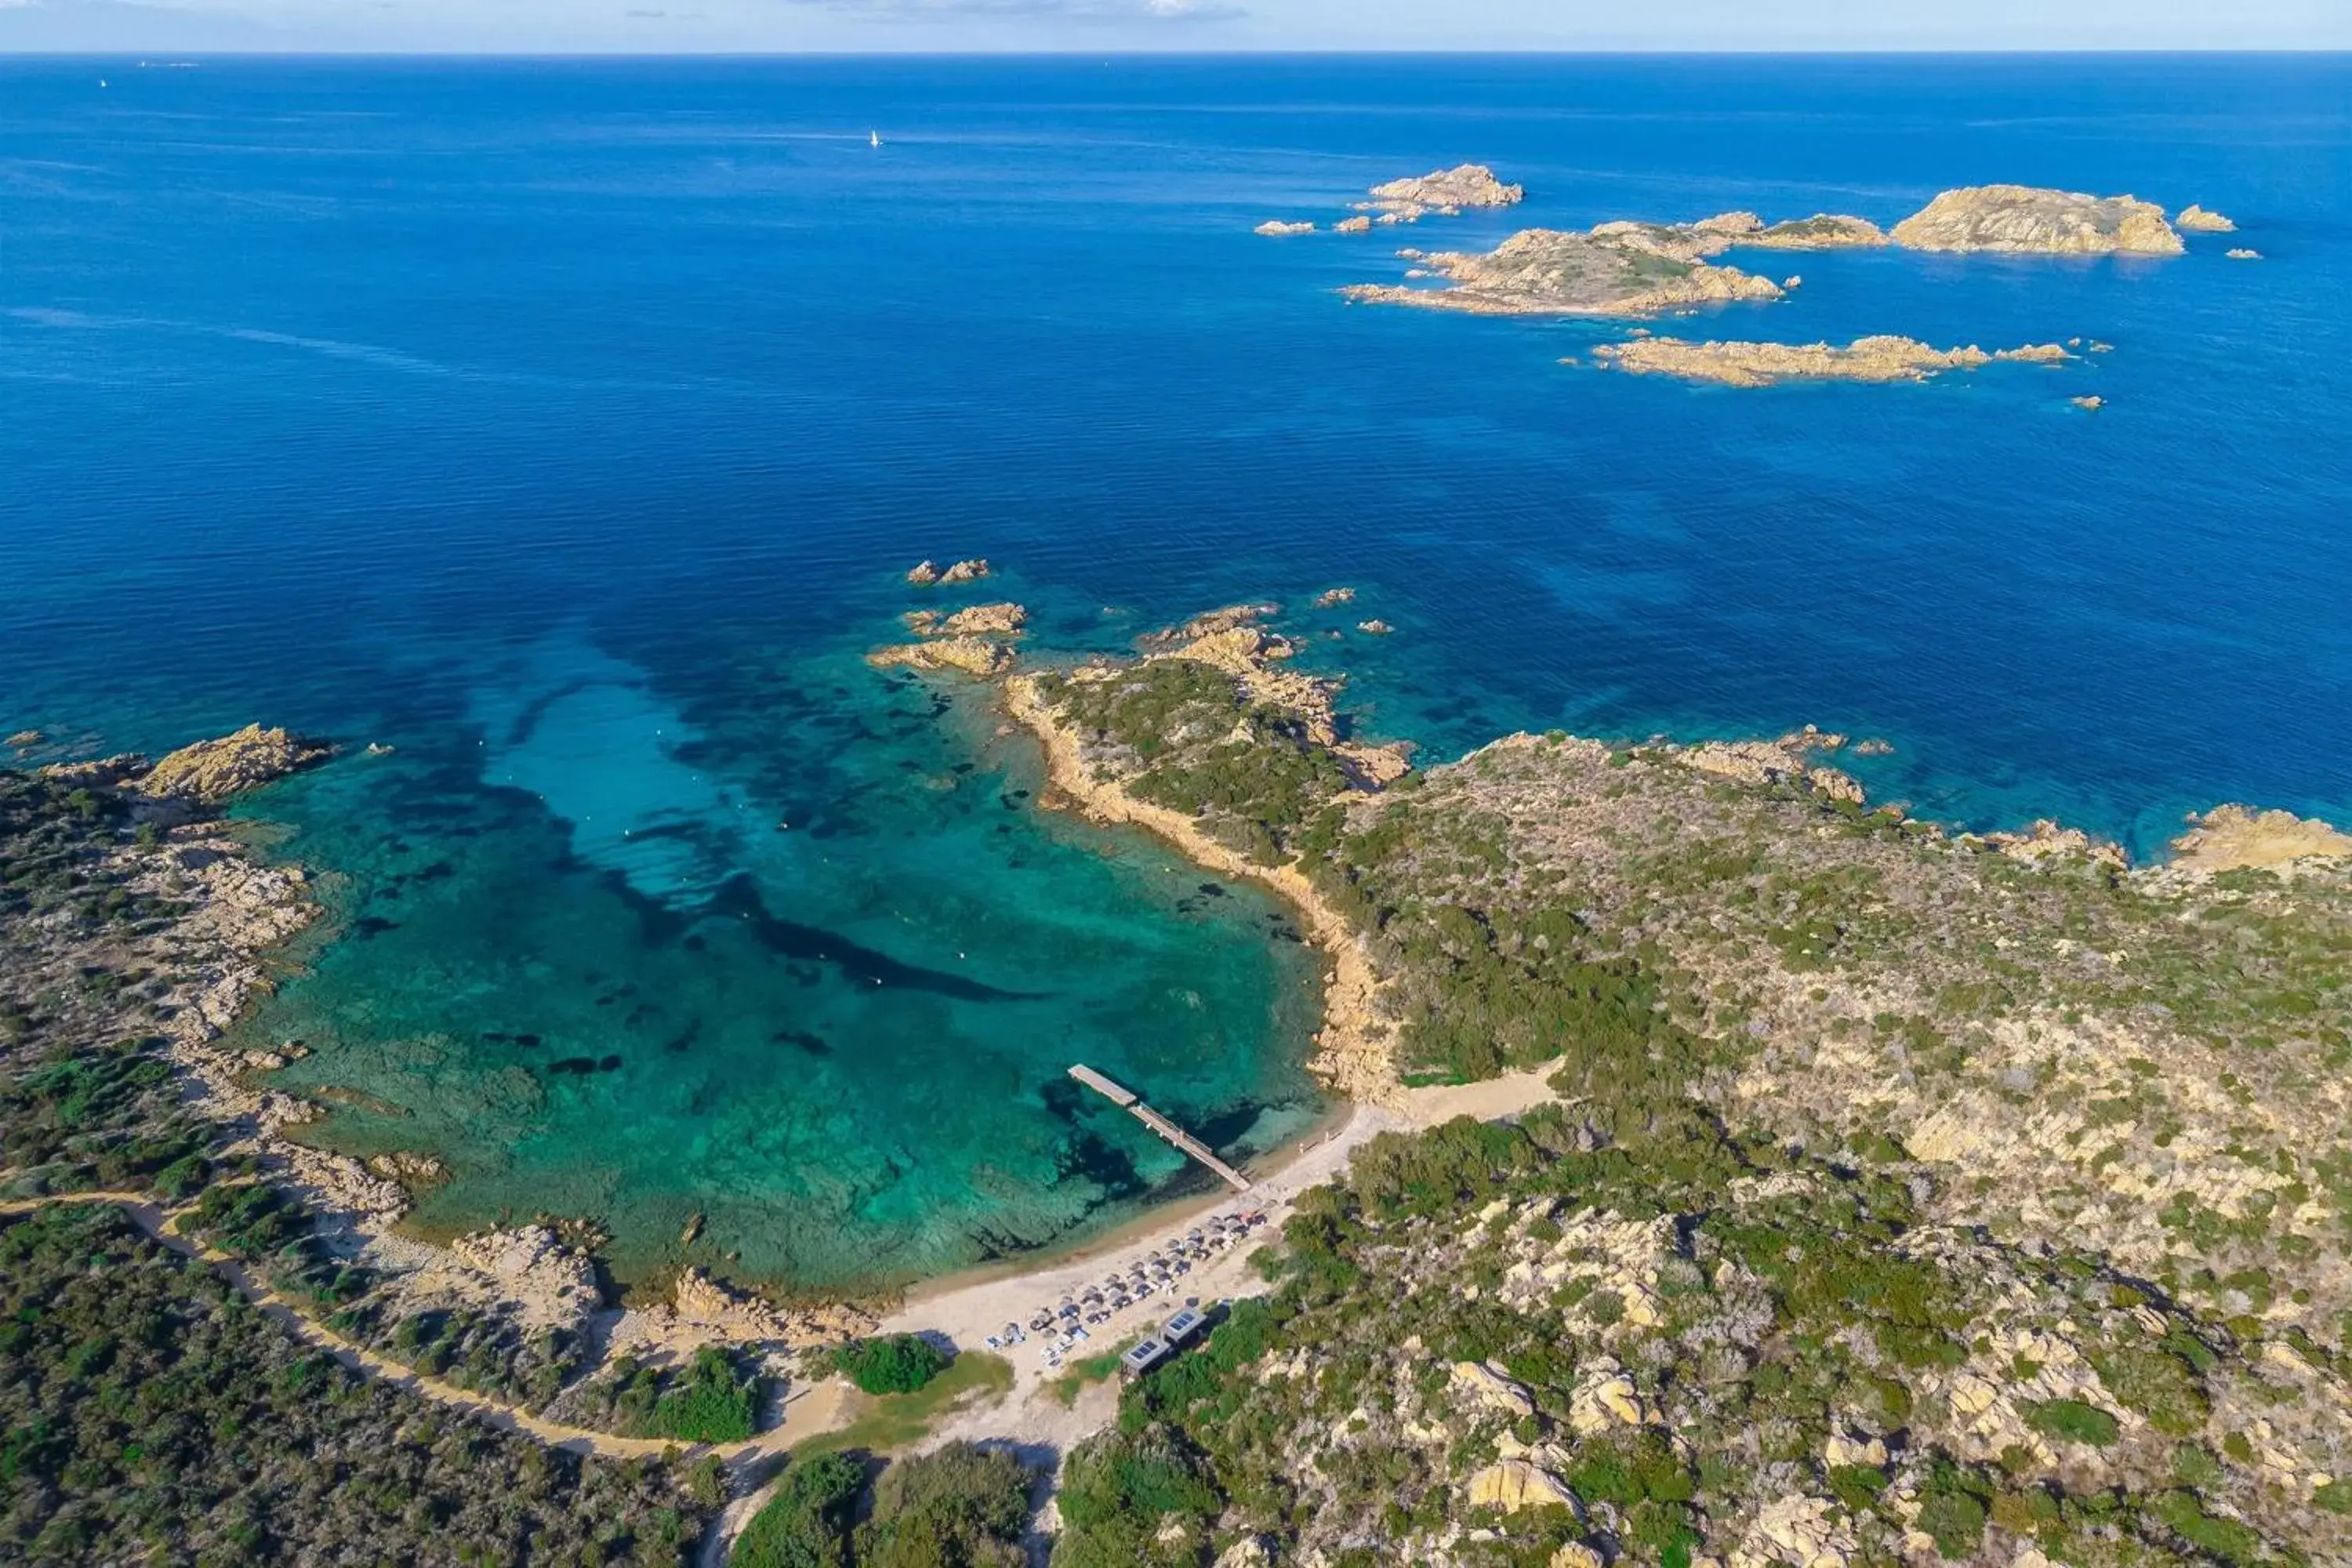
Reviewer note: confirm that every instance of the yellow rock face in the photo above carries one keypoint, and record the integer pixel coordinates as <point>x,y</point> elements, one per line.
<point>1513,1485</point>
<point>971,656</point>
<point>212,771</point>
<point>2231,838</point>
<point>2025,218</point>
<point>1484,1385</point>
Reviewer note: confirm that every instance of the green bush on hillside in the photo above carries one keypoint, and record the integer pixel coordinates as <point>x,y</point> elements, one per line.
<point>893,1364</point>
<point>961,1507</point>
<point>806,1523</point>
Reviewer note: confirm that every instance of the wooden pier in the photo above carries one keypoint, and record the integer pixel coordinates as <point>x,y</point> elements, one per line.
<point>1134,1106</point>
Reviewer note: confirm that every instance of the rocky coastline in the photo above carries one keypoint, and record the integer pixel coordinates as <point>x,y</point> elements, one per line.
<point>226,919</point>
<point>1352,1047</point>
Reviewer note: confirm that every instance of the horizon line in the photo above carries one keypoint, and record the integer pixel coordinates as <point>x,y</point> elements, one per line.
<point>1872,52</point>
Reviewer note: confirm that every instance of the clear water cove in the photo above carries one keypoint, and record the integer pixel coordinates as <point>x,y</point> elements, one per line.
<point>566,427</point>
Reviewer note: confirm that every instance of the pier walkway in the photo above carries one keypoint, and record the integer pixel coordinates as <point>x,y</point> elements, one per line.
<point>1134,1106</point>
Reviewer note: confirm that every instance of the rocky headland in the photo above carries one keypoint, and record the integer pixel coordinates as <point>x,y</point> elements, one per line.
<point>2089,1261</point>
<point>2238,838</point>
<point>2029,220</point>
<point>1868,1193</point>
<point>1874,359</point>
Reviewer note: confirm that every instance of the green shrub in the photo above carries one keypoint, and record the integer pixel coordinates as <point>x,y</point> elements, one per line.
<point>712,1404</point>
<point>2160,1386</point>
<point>806,1523</point>
<point>961,1507</point>
<point>893,1364</point>
<point>2225,1539</point>
<point>1119,1489</point>
<point>2071,1421</point>
<point>1953,1509</point>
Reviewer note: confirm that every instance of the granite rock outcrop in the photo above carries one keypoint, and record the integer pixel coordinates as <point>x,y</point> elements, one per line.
<point>1617,269</point>
<point>2030,220</point>
<point>982,658</point>
<point>210,772</point>
<point>2200,220</point>
<point>1872,359</point>
<point>1445,191</point>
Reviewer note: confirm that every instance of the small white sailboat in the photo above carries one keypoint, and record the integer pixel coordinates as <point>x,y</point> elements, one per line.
<point>876,137</point>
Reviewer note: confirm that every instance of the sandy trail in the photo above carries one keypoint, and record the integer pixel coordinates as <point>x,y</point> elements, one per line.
<point>158,1222</point>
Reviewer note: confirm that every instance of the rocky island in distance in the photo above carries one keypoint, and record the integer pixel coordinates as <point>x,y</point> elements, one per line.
<point>1884,358</point>
<point>1445,191</point>
<point>1628,267</point>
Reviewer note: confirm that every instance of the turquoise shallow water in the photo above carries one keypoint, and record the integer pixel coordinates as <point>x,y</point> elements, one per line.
<point>816,980</point>
<point>566,426</point>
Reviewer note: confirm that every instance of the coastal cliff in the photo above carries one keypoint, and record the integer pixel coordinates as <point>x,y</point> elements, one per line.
<point>2026,219</point>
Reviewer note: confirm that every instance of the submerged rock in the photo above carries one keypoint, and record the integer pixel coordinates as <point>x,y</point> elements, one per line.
<point>1874,359</point>
<point>2240,253</point>
<point>2025,218</point>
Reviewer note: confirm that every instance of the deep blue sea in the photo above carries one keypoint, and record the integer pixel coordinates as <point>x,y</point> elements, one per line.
<point>566,427</point>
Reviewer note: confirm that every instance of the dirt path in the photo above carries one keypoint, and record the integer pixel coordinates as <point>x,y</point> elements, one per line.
<point>160,1224</point>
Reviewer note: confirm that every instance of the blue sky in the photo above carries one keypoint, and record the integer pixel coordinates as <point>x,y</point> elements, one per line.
<point>1112,25</point>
